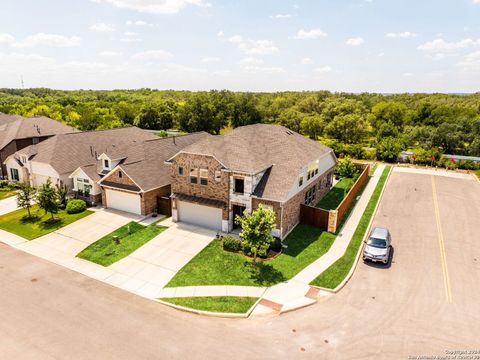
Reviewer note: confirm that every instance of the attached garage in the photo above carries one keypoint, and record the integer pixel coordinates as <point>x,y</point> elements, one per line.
<point>123,201</point>
<point>204,216</point>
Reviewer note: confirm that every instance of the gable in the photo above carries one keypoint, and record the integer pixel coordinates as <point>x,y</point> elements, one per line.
<point>118,176</point>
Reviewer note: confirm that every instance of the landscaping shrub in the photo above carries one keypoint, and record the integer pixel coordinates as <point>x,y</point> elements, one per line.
<point>231,243</point>
<point>276,245</point>
<point>13,185</point>
<point>3,184</point>
<point>75,206</point>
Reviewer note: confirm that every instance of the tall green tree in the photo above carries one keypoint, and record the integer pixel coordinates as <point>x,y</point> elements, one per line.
<point>350,128</point>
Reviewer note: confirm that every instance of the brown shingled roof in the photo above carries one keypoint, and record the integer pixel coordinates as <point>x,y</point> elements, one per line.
<point>254,148</point>
<point>145,162</point>
<point>14,127</point>
<point>66,152</point>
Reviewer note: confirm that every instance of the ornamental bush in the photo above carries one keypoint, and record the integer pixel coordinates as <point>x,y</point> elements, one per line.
<point>75,206</point>
<point>231,243</point>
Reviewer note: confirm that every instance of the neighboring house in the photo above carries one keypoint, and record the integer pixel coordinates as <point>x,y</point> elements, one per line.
<point>456,158</point>
<point>140,183</point>
<point>222,176</point>
<point>77,160</point>
<point>18,132</point>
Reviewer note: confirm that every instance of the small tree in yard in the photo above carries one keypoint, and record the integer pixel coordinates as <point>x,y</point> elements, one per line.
<point>257,229</point>
<point>346,168</point>
<point>48,198</point>
<point>25,197</point>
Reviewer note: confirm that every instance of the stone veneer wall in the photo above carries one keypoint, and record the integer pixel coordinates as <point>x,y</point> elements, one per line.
<point>217,190</point>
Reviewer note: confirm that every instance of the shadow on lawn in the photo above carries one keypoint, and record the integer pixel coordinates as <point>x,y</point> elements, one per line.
<point>264,273</point>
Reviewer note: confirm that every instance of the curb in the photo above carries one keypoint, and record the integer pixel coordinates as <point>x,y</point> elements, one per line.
<point>209,313</point>
<point>357,257</point>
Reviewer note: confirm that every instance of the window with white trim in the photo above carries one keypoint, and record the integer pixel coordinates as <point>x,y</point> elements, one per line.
<point>14,174</point>
<point>203,176</point>
<point>194,176</point>
<point>83,186</point>
<point>106,164</point>
<point>24,159</point>
<point>300,180</point>
<point>180,171</point>
<point>218,175</point>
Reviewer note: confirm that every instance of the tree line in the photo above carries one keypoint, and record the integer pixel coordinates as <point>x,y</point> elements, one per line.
<point>359,125</point>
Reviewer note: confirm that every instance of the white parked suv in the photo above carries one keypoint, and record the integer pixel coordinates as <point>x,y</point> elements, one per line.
<point>378,245</point>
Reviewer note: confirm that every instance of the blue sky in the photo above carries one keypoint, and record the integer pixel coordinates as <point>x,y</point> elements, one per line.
<point>263,45</point>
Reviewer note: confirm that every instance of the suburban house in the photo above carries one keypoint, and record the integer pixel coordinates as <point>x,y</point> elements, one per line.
<point>77,160</point>
<point>18,132</point>
<point>140,181</point>
<point>219,177</point>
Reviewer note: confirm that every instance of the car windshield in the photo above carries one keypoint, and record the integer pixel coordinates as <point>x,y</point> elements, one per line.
<point>379,243</point>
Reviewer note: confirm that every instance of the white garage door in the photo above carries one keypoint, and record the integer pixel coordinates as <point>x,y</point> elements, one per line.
<point>123,201</point>
<point>205,216</point>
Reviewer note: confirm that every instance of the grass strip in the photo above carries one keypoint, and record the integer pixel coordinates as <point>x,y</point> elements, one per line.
<point>132,236</point>
<point>336,273</point>
<point>223,304</point>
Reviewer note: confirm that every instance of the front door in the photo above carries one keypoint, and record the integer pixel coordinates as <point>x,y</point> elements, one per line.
<point>237,210</point>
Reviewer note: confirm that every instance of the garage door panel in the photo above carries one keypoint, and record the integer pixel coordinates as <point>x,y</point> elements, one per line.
<point>200,215</point>
<point>123,201</point>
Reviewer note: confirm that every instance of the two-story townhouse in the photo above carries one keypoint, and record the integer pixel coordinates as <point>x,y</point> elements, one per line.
<point>222,176</point>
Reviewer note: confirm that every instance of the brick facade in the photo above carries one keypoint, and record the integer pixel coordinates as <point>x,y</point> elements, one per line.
<point>291,208</point>
<point>277,209</point>
<point>148,200</point>
<point>216,190</point>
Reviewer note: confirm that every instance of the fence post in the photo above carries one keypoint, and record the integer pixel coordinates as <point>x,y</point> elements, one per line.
<point>332,221</point>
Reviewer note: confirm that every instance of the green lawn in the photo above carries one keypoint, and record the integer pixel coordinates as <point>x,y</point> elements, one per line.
<point>132,236</point>
<point>334,275</point>
<point>31,229</point>
<point>336,194</point>
<point>224,304</point>
<point>5,193</point>
<point>477,172</point>
<point>214,266</point>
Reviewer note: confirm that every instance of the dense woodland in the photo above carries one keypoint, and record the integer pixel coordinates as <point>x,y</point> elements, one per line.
<point>363,126</point>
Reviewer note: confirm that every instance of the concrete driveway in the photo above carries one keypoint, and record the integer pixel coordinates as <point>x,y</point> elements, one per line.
<point>8,205</point>
<point>147,270</point>
<point>64,244</point>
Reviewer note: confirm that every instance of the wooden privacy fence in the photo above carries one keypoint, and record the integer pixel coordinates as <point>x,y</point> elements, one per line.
<point>330,219</point>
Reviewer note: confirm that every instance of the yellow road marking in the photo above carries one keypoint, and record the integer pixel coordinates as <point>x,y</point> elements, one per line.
<point>441,244</point>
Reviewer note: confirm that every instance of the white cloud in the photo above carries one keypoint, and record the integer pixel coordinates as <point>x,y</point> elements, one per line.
<point>405,34</point>
<point>280,16</point>
<point>253,69</point>
<point>306,61</point>
<point>309,34</point>
<point>251,61</point>
<point>6,39</point>
<point>109,54</point>
<point>102,27</point>
<point>235,39</point>
<point>323,69</point>
<point>442,45</point>
<point>155,6</point>
<point>355,41</point>
<point>138,23</point>
<point>53,40</point>
<point>152,55</point>
<point>471,61</point>
<point>258,47</point>
<point>210,59</point>
<point>476,1</point>
<point>130,36</point>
